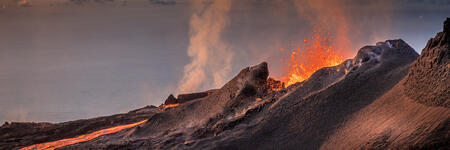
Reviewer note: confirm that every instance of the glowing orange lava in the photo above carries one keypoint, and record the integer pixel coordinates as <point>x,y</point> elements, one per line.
<point>81,138</point>
<point>164,107</point>
<point>317,53</point>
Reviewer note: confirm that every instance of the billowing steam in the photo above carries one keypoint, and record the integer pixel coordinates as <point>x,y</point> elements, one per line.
<point>210,56</point>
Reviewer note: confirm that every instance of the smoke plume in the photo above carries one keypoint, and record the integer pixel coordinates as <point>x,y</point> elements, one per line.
<point>210,57</point>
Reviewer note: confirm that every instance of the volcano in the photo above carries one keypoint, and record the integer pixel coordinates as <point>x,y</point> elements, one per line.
<point>386,97</point>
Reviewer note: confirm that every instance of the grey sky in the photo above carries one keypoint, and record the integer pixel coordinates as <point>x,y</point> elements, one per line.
<point>61,60</point>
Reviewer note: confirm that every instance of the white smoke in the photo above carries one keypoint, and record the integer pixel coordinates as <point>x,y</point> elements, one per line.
<point>210,57</point>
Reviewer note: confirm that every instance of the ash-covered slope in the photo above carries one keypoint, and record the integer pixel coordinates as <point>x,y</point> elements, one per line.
<point>414,114</point>
<point>305,119</point>
<point>370,101</point>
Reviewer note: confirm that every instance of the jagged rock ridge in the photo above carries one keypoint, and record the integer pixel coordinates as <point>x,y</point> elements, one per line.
<point>428,80</point>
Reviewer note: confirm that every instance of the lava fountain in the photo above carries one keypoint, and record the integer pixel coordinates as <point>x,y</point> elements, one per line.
<point>316,53</point>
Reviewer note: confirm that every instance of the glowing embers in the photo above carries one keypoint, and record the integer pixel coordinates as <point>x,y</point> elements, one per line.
<point>81,138</point>
<point>316,53</point>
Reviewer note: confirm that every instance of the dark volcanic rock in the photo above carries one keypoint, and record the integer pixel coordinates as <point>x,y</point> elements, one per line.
<point>183,98</point>
<point>188,97</point>
<point>367,53</point>
<point>428,80</point>
<point>170,100</point>
<point>20,134</point>
<point>271,85</point>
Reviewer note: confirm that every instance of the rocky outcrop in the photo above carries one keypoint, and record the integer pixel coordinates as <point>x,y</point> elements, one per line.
<point>171,100</point>
<point>271,85</point>
<point>182,98</point>
<point>428,81</point>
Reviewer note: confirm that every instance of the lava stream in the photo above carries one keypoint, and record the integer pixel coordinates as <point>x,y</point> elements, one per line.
<point>81,138</point>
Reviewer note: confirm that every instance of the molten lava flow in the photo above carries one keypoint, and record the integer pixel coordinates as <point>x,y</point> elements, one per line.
<point>81,138</point>
<point>317,53</point>
<point>164,107</point>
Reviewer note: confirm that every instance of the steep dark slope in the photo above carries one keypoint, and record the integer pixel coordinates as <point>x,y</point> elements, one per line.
<point>414,114</point>
<point>393,121</point>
